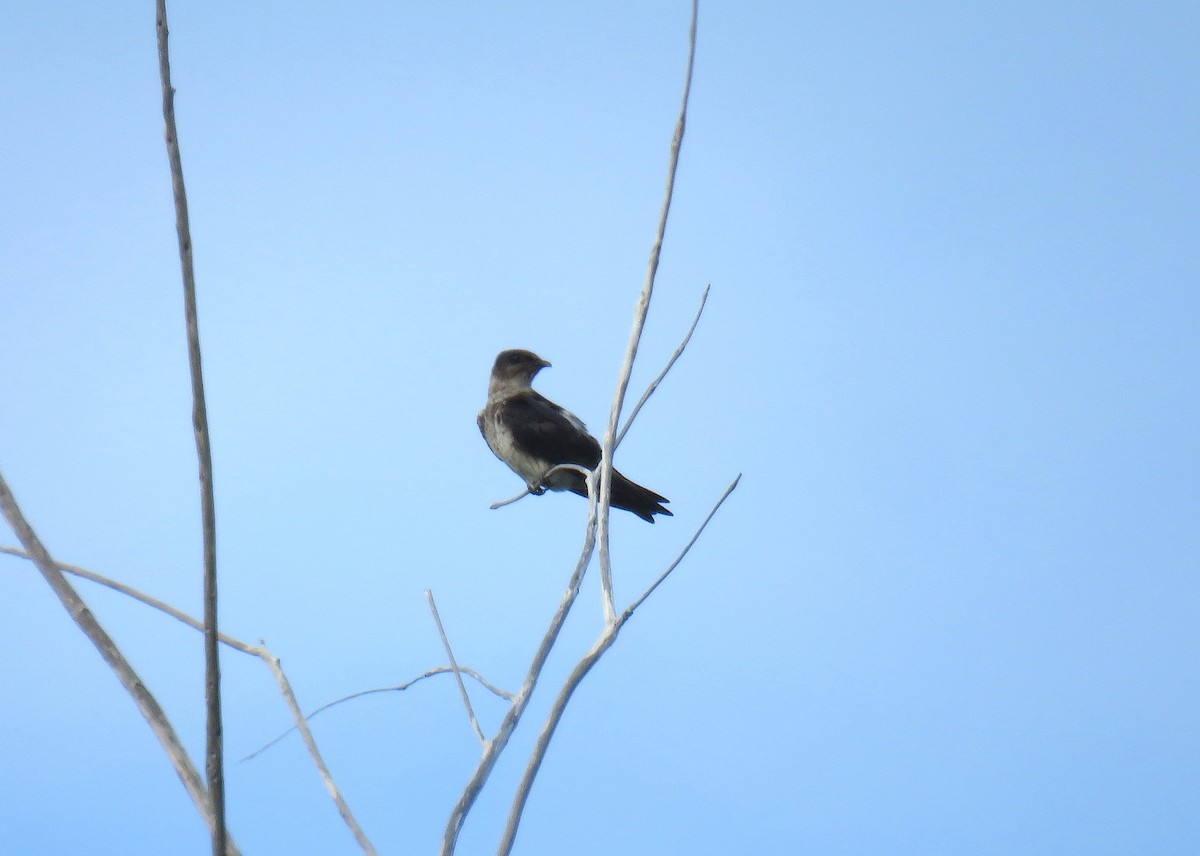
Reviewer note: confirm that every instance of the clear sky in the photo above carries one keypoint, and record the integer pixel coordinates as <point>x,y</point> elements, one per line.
<point>952,344</point>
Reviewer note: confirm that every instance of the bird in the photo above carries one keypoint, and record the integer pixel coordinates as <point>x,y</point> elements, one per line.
<point>532,434</point>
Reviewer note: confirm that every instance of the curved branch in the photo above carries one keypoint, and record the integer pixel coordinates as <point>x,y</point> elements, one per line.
<point>510,500</point>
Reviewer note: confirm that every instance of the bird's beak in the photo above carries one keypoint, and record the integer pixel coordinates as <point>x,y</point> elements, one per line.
<point>546,364</point>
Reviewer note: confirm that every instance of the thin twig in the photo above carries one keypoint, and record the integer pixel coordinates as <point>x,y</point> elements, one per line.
<point>633,606</point>
<point>142,597</point>
<point>510,501</point>
<point>462,687</point>
<point>583,471</point>
<point>149,707</point>
<point>429,673</point>
<point>637,408</point>
<point>606,640</point>
<point>496,745</point>
<point>285,687</point>
<point>635,336</point>
<point>215,752</point>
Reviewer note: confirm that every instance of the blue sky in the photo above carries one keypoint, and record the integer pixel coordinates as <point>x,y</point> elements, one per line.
<point>951,343</point>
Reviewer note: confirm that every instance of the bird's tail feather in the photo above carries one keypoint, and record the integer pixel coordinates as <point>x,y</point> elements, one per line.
<point>630,496</point>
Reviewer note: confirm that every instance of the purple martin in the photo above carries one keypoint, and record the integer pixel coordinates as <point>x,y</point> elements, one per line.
<point>531,434</point>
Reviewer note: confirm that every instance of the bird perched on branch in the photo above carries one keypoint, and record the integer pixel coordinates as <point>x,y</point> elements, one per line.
<point>532,434</point>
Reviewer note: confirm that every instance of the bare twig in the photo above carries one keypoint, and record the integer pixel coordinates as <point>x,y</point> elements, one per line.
<point>637,408</point>
<point>633,606</point>
<point>462,688</point>
<point>583,471</point>
<point>429,673</point>
<point>635,336</point>
<point>497,744</point>
<point>509,501</point>
<point>285,687</point>
<point>215,752</point>
<point>150,709</point>
<point>142,597</point>
<point>259,651</point>
<point>606,640</point>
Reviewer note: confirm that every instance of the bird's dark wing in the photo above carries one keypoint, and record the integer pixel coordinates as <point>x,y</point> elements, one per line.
<point>543,430</point>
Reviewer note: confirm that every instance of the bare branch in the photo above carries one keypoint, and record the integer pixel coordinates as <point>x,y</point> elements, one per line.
<point>215,752</point>
<point>497,744</point>
<point>462,688</point>
<point>285,687</point>
<point>635,336</point>
<point>637,408</point>
<point>606,640</point>
<point>429,673</point>
<point>149,707</point>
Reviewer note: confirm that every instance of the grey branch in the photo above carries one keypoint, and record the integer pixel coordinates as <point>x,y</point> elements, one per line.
<point>147,704</point>
<point>637,408</point>
<point>462,688</point>
<point>635,336</point>
<point>215,751</point>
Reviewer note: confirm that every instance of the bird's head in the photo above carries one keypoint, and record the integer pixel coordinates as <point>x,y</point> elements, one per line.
<point>516,368</point>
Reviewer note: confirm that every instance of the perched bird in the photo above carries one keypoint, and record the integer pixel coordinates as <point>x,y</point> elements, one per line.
<point>531,434</point>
